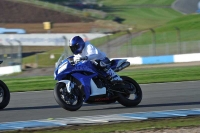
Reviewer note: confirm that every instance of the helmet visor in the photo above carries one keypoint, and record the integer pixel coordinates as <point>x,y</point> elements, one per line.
<point>74,49</point>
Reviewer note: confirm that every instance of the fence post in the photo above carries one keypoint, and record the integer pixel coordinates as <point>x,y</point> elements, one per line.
<point>179,39</point>
<point>66,46</point>
<point>199,45</point>
<point>108,45</point>
<point>2,50</point>
<point>153,40</point>
<point>130,41</point>
<point>36,60</point>
<point>11,51</point>
<point>20,52</point>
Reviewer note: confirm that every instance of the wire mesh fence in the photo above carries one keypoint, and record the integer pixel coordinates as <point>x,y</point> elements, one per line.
<point>11,53</point>
<point>128,50</point>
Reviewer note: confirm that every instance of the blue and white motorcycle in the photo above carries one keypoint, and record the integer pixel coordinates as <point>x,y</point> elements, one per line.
<point>84,82</point>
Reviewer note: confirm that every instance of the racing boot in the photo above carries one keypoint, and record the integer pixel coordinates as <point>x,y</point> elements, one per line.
<point>114,78</point>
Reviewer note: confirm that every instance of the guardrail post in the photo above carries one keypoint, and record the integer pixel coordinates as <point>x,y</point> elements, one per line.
<point>179,39</point>
<point>66,46</point>
<point>108,45</point>
<point>2,50</point>
<point>153,40</point>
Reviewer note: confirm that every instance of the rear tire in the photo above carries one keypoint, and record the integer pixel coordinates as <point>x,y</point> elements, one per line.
<point>61,101</point>
<point>4,95</point>
<point>124,98</point>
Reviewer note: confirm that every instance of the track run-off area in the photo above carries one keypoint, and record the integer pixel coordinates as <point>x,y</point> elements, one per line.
<point>27,106</point>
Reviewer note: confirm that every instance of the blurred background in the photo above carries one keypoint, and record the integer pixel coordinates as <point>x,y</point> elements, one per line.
<point>34,33</point>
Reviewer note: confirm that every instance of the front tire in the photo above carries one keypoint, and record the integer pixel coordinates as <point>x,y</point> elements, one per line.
<point>4,95</point>
<point>125,99</point>
<point>71,102</point>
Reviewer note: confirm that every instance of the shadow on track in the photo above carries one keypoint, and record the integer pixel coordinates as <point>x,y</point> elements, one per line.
<point>31,108</point>
<point>42,107</point>
<point>169,104</point>
<point>149,105</point>
<point>99,105</point>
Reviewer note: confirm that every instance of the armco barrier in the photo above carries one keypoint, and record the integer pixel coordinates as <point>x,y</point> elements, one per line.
<point>132,60</point>
<point>187,57</point>
<point>163,59</point>
<point>10,69</point>
<point>158,59</point>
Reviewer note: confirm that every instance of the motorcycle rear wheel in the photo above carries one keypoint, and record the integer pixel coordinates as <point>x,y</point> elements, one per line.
<point>124,98</point>
<point>4,95</point>
<point>64,99</point>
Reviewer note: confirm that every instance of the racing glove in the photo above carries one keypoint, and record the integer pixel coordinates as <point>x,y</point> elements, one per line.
<point>76,60</point>
<point>84,58</point>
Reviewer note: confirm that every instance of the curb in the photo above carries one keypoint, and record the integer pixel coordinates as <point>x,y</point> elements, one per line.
<point>58,122</point>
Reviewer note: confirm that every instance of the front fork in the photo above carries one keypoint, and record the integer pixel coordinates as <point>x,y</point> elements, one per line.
<point>69,85</point>
<point>69,94</point>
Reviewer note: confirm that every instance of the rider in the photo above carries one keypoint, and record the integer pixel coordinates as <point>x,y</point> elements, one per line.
<point>86,51</point>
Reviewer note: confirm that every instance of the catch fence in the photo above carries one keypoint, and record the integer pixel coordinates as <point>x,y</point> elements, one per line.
<point>11,53</point>
<point>128,50</point>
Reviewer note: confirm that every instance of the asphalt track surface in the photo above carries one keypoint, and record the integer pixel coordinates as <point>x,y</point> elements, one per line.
<point>156,97</point>
<point>186,6</point>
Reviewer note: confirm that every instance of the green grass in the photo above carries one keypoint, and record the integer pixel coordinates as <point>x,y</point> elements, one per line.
<point>188,25</point>
<point>157,75</point>
<point>110,2</point>
<point>136,2</point>
<point>163,20</point>
<point>30,83</point>
<point>142,76</point>
<point>185,22</point>
<point>144,18</point>
<point>138,17</point>
<point>143,126</point>
<point>102,40</point>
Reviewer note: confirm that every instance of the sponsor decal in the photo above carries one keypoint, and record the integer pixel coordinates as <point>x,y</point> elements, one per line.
<point>102,99</point>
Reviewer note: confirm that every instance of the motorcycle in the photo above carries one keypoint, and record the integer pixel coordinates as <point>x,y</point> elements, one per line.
<point>4,94</point>
<point>83,82</point>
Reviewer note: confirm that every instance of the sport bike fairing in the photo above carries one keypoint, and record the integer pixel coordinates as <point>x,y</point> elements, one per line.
<point>85,81</point>
<point>65,68</point>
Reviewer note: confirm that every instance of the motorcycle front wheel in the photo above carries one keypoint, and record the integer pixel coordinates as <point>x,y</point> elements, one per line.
<point>4,95</point>
<point>132,96</point>
<point>69,101</point>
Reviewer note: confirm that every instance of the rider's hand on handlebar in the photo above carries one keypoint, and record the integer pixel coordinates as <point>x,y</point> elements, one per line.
<point>80,58</point>
<point>84,58</point>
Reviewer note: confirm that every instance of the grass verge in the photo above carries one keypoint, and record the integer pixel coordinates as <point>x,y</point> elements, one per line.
<point>140,14</point>
<point>142,76</point>
<point>187,25</point>
<point>157,75</point>
<point>143,126</point>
